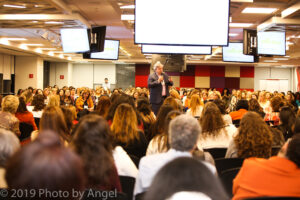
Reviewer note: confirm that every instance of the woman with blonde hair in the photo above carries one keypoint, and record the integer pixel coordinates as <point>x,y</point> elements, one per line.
<point>125,132</point>
<point>196,106</point>
<point>54,100</point>
<point>8,120</point>
<point>215,132</point>
<point>172,102</point>
<point>254,138</point>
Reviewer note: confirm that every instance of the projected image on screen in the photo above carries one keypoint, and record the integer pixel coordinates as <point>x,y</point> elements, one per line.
<point>271,43</point>
<point>234,53</point>
<point>111,51</point>
<point>171,49</point>
<point>75,40</point>
<point>182,22</point>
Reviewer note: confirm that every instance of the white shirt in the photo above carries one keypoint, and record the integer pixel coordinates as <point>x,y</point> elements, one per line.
<point>153,146</point>
<point>124,164</point>
<point>37,114</point>
<point>227,119</point>
<point>221,141</point>
<point>106,86</point>
<point>150,165</point>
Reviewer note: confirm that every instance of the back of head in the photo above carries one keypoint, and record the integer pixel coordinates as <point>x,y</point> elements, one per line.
<point>184,131</point>
<point>103,106</point>
<point>158,127</point>
<point>254,138</point>
<point>287,116</point>
<point>45,164</point>
<point>211,119</point>
<point>92,142</point>
<point>242,104</point>
<point>9,144</point>
<point>195,102</point>
<point>143,106</point>
<point>185,174</point>
<point>10,104</point>
<point>53,119</point>
<point>22,106</point>
<point>254,106</point>
<point>125,124</point>
<point>293,150</point>
<point>172,102</point>
<point>221,106</point>
<point>54,100</point>
<point>123,98</point>
<point>276,103</point>
<point>39,102</point>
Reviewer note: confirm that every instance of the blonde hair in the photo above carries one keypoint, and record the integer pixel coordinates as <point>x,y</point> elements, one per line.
<point>53,100</point>
<point>125,125</point>
<point>195,102</point>
<point>10,104</point>
<point>174,94</point>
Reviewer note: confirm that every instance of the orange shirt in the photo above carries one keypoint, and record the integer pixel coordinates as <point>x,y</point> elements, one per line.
<point>26,117</point>
<point>235,115</point>
<point>261,177</point>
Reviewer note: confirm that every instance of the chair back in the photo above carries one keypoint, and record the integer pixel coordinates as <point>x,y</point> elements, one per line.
<point>217,152</point>
<point>127,184</point>
<point>26,130</point>
<point>227,177</point>
<point>223,164</point>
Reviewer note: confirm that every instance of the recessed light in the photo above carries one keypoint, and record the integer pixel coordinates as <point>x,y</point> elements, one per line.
<point>240,24</point>
<point>259,10</point>
<point>233,34</point>
<point>127,17</point>
<point>128,7</point>
<point>51,53</point>
<point>34,44</point>
<point>54,22</point>
<point>271,61</point>
<point>15,39</point>
<point>14,6</point>
<point>48,49</point>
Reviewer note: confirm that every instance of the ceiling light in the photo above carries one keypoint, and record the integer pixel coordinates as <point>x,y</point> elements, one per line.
<point>271,61</point>
<point>38,50</point>
<point>69,58</point>
<point>289,43</point>
<point>13,6</point>
<point>23,46</point>
<point>4,41</point>
<point>61,56</point>
<point>128,7</point>
<point>233,34</point>
<point>240,24</point>
<point>259,10</point>
<point>127,17</point>
<point>51,53</point>
<point>54,22</point>
<point>48,49</point>
<point>34,21</point>
<point>281,59</point>
<point>34,44</point>
<point>16,39</point>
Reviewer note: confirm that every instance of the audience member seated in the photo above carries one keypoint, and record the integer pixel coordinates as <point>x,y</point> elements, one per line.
<point>255,107</point>
<point>182,175</point>
<point>183,134</point>
<point>254,138</point>
<point>159,125</point>
<point>84,101</point>
<point>172,102</point>
<point>196,106</point>
<point>276,104</point>
<point>278,176</point>
<point>160,143</point>
<point>215,133</point>
<point>242,108</point>
<point>125,132</point>
<point>175,94</point>
<point>8,120</point>
<point>69,117</point>
<point>92,143</point>
<point>68,100</point>
<point>148,117</point>
<point>39,105</point>
<point>54,100</point>
<point>53,119</point>
<point>221,105</point>
<point>24,115</point>
<point>45,164</point>
<point>287,121</point>
<point>103,106</point>
<point>9,144</point>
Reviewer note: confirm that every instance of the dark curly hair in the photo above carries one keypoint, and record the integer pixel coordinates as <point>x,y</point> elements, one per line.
<point>39,102</point>
<point>255,137</point>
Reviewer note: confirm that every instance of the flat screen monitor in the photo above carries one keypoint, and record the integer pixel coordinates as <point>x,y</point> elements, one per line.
<point>182,22</point>
<point>171,49</point>
<point>111,51</point>
<point>75,40</point>
<point>234,53</point>
<point>271,43</point>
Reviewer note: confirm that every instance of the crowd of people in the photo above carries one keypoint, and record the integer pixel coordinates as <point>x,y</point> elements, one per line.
<point>82,138</point>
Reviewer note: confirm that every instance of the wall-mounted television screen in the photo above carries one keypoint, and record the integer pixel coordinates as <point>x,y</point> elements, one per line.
<point>234,53</point>
<point>111,51</point>
<point>75,40</point>
<point>182,22</point>
<point>172,49</point>
<point>271,43</point>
